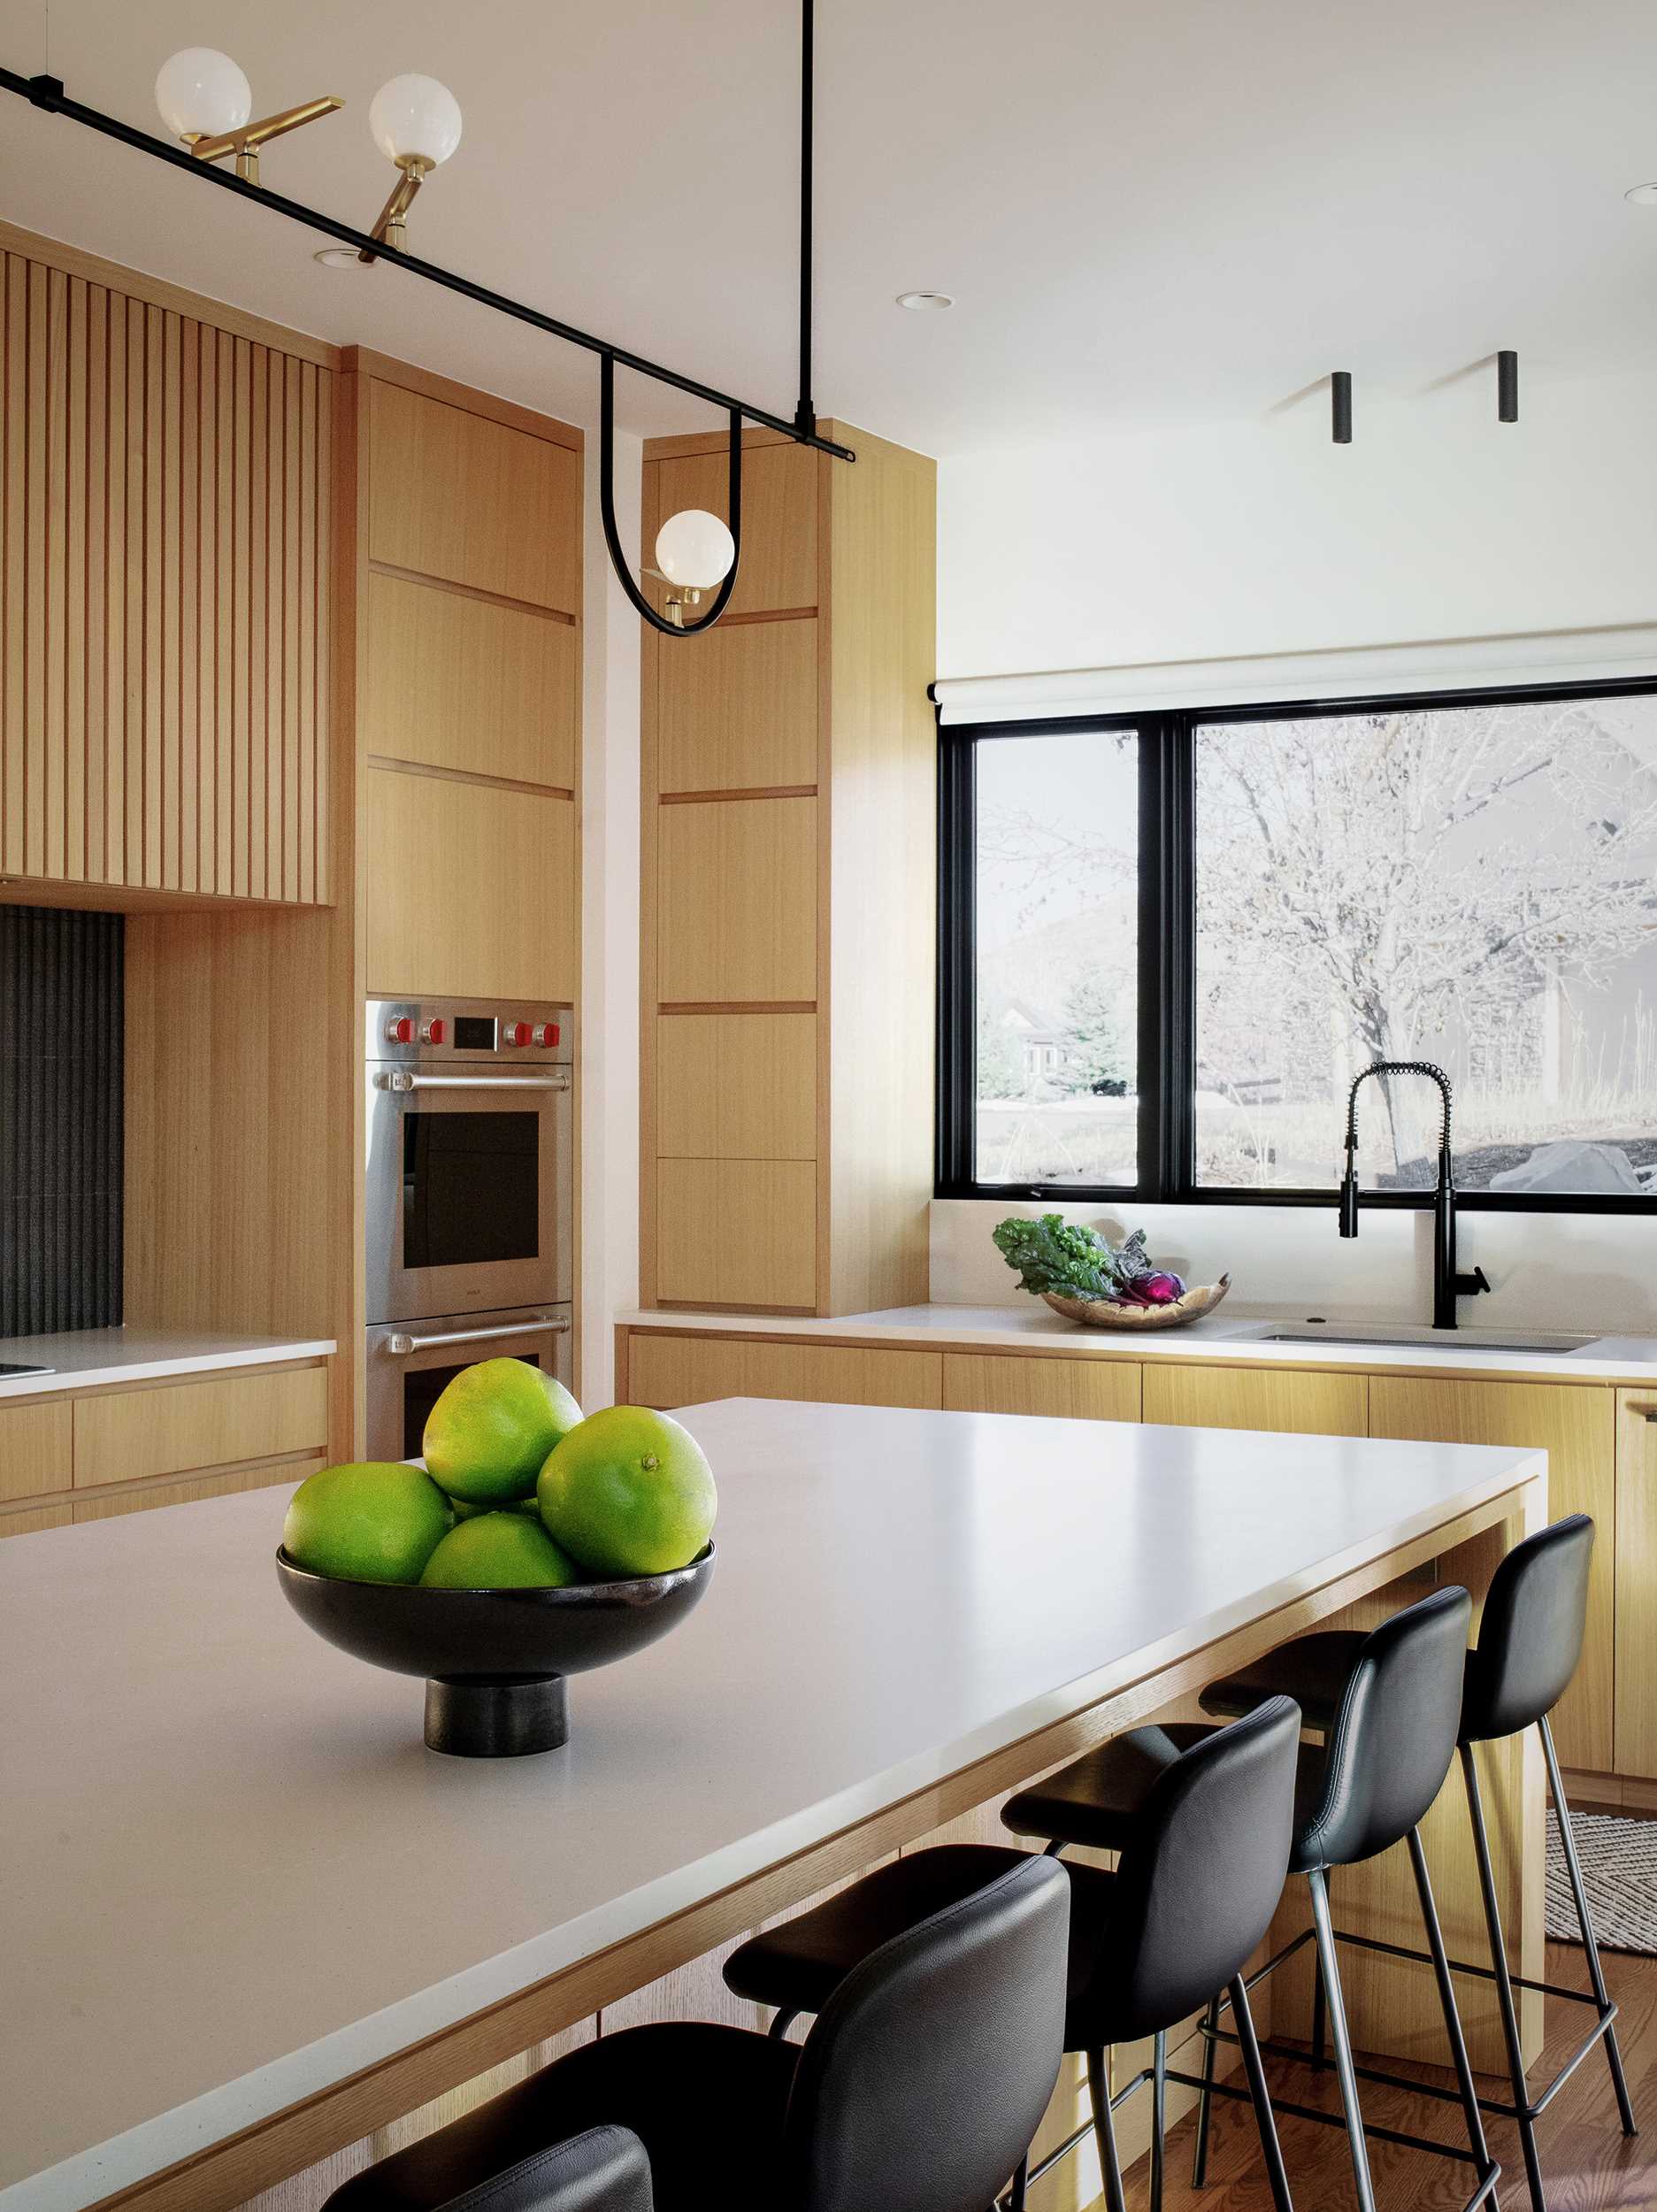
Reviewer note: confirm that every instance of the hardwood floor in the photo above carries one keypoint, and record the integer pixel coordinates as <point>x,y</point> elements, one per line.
<point>1589,2164</point>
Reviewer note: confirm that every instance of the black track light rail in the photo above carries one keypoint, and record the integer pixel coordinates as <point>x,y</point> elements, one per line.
<point>48,93</point>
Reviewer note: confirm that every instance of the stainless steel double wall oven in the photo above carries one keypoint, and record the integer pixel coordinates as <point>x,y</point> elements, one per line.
<point>469,1199</point>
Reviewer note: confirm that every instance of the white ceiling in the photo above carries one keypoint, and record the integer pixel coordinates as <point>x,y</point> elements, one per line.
<point>1185,211</point>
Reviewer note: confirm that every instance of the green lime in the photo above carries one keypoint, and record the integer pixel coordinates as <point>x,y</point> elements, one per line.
<point>628,1492</point>
<point>489,1432</point>
<point>370,1521</point>
<point>499,1551</point>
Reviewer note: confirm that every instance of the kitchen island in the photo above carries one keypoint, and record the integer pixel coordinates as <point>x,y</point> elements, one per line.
<point>251,1918</point>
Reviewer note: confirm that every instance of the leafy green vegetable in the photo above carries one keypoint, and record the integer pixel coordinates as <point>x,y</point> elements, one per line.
<point>1053,1254</point>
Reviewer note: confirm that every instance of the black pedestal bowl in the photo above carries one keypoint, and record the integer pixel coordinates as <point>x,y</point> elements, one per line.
<point>494,1661</point>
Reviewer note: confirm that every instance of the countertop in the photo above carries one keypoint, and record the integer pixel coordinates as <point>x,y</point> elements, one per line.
<point>248,1879</point>
<point>1229,1336</point>
<point>83,1357</point>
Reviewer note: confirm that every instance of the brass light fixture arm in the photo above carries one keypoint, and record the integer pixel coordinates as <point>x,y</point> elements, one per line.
<point>612,535</point>
<point>245,143</point>
<point>389,225</point>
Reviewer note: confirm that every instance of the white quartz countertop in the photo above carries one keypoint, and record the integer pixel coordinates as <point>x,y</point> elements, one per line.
<point>247,1879</point>
<point>1224,1336</point>
<point>80,1358</point>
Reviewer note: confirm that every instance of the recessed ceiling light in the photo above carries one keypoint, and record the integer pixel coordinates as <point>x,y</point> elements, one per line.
<point>341,258</point>
<point>1643,195</point>
<point>924,303</point>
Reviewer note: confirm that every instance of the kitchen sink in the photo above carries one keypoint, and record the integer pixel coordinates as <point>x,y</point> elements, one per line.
<point>1448,1339</point>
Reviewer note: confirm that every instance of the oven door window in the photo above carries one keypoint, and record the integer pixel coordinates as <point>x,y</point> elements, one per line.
<point>470,1185</point>
<point>423,1386</point>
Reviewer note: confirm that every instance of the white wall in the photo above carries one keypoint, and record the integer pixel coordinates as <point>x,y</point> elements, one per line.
<point>610,935</point>
<point>1262,537</point>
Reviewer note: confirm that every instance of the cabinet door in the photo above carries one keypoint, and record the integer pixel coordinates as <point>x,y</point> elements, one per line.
<point>737,895</point>
<point>471,890</point>
<point>1296,1400</point>
<point>106,1505</point>
<point>740,712</point>
<point>1576,1425</point>
<point>778,569</point>
<point>1636,1583</point>
<point>736,1233</point>
<point>667,1372</point>
<point>455,494</point>
<point>736,1086</point>
<point>34,1449</point>
<point>1080,1389</point>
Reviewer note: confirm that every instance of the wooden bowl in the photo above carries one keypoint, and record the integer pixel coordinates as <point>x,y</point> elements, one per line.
<point>1099,1313</point>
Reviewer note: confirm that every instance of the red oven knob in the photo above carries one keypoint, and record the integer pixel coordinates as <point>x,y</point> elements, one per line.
<point>432,1033</point>
<point>545,1034</point>
<point>400,1031</point>
<point>514,1033</point>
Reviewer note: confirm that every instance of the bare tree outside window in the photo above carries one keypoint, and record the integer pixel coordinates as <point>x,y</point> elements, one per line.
<point>1473,886</point>
<point>1057,972</point>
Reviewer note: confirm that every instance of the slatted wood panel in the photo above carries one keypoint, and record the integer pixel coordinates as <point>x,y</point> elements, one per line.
<point>163,570</point>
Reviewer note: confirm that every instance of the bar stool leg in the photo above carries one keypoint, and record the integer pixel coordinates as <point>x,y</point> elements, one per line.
<point>1020,2189</point>
<point>1446,2001</point>
<point>1504,1983</point>
<point>1320,2015</point>
<point>1318,1884</point>
<point>781,2024</point>
<point>1105,2134</point>
<point>1258,2089</point>
<point>1591,1950</point>
<point>1205,2102</point>
<point>1159,2115</point>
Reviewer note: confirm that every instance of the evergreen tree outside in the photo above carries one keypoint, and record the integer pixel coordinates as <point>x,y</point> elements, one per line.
<point>1096,1065</point>
<point>1001,1063</point>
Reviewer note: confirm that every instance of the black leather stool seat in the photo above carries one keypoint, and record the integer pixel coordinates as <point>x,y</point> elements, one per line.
<point>1098,1799</point>
<point>798,1966</point>
<point>1313,1671</point>
<point>707,2103</point>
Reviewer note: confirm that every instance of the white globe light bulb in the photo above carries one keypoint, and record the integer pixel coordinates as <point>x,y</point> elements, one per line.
<point>415,118</point>
<point>202,94</point>
<point>694,549</point>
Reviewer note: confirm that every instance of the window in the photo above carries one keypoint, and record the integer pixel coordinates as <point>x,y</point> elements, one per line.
<point>1169,948</point>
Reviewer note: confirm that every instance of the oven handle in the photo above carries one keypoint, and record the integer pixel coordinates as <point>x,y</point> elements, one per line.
<point>401,1079</point>
<point>555,1323</point>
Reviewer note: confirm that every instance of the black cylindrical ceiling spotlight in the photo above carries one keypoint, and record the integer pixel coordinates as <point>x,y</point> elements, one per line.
<point>1340,406</point>
<point>1507,387</point>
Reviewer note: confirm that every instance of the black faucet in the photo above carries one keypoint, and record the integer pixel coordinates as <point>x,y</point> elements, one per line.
<point>1447,1283</point>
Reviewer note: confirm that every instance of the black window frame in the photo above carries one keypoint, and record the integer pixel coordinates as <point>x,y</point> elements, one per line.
<point>1167,948</point>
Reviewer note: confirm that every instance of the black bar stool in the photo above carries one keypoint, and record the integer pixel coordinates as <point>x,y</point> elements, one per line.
<point>1530,1643</point>
<point>920,2086</point>
<point>1191,1899</point>
<point>1393,1714</point>
<point>603,2171</point>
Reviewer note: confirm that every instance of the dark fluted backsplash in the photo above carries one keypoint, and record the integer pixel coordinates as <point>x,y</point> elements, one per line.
<point>61,1119</point>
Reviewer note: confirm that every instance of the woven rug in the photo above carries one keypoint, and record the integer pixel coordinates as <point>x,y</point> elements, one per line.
<point>1619,1871</point>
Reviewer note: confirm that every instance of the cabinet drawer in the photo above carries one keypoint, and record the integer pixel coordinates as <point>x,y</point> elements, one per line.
<point>185,1491</point>
<point>667,1372</point>
<point>844,1374</point>
<point>1078,1389</point>
<point>35,1443</point>
<point>1636,1694</point>
<point>1576,1425</point>
<point>178,1428</point>
<point>737,1233</point>
<point>1300,1404</point>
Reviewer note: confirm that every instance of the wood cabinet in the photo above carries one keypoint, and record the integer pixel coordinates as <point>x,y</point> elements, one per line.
<point>270,1413</point>
<point>468,543</point>
<point>1076,1389</point>
<point>1303,1403</point>
<point>789,823</point>
<point>738,1231</point>
<point>165,587</point>
<point>1635,1597</point>
<point>1574,1424</point>
<point>678,1370</point>
<point>82,1455</point>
